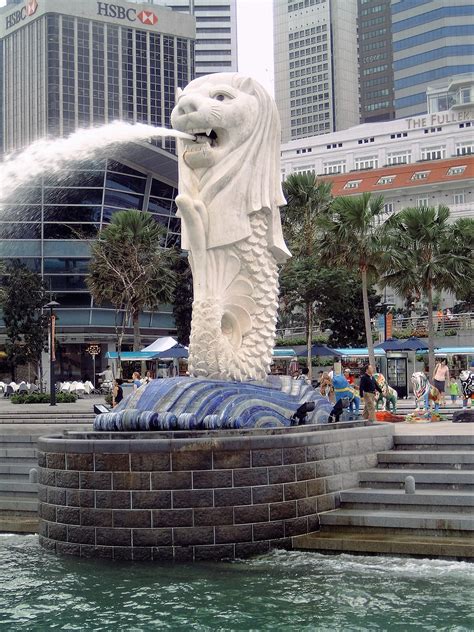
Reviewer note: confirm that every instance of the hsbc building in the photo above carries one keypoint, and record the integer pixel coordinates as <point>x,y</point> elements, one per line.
<point>65,65</point>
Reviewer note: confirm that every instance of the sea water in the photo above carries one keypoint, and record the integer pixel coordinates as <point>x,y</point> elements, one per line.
<point>279,591</point>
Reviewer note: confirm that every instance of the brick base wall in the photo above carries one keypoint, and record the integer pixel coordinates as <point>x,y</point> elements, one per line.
<point>208,496</point>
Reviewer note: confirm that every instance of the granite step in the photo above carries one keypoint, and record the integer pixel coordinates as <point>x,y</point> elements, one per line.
<point>424,478</point>
<point>8,469</point>
<point>19,522</point>
<point>446,521</point>
<point>378,541</point>
<point>393,499</point>
<point>434,442</point>
<point>18,453</point>
<point>441,459</point>
<point>18,503</point>
<point>14,486</point>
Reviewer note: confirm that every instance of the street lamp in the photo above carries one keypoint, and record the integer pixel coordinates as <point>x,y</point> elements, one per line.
<point>93,350</point>
<point>52,354</point>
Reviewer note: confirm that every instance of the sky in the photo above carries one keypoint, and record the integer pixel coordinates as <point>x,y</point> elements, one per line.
<point>255,39</point>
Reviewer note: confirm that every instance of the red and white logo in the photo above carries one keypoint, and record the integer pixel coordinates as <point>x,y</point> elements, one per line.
<point>147,17</point>
<point>31,7</point>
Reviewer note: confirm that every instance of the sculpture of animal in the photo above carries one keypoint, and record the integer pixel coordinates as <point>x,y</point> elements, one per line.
<point>342,389</point>
<point>229,199</point>
<point>388,397</point>
<point>424,391</point>
<point>467,386</point>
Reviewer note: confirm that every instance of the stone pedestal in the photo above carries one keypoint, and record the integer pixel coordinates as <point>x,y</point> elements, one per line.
<point>195,495</point>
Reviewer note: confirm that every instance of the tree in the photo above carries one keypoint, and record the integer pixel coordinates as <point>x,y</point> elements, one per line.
<point>22,299</point>
<point>352,239</point>
<point>307,199</point>
<point>130,267</point>
<point>427,254</point>
<point>183,299</point>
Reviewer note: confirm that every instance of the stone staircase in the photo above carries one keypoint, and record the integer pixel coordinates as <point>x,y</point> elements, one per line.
<point>19,434</point>
<point>379,517</point>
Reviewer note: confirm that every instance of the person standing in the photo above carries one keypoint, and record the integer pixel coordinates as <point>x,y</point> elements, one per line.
<point>117,392</point>
<point>367,388</point>
<point>136,380</point>
<point>454,390</point>
<point>441,377</point>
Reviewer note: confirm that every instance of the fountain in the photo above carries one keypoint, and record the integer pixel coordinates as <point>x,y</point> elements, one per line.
<point>229,461</point>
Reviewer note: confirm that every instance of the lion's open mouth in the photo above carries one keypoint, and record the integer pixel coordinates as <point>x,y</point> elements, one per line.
<point>205,136</point>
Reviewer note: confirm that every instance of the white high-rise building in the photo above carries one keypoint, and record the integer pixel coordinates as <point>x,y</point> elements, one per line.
<point>216,32</point>
<point>316,66</point>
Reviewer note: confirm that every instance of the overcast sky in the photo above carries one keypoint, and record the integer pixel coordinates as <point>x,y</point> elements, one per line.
<point>255,36</point>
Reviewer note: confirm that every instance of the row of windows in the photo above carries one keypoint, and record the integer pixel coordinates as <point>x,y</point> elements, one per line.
<point>304,33</point>
<point>381,105</point>
<point>310,119</point>
<point>372,58</point>
<point>437,14</point>
<point>443,52</point>
<point>311,99</point>
<point>403,5</point>
<point>304,52</point>
<point>295,6</point>
<point>310,108</point>
<point>372,34</point>
<point>373,45</point>
<point>377,81</point>
<point>432,75</point>
<point>373,21</point>
<point>464,30</point>
<point>377,93</point>
<point>378,8</point>
<point>375,69</point>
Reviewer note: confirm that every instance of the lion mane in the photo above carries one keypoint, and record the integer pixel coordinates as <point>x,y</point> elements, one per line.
<point>246,180</point>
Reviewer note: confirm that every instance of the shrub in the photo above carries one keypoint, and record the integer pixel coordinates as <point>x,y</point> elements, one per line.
<point>43,398</point>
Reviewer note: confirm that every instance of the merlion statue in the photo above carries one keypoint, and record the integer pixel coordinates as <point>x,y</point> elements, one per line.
<point>229,199</point>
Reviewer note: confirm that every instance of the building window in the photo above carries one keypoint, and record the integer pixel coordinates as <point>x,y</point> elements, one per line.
<point>420,175</point>
<point>352,184</point>
<point>386,179</point>
<point>462,149</point>
<point>400,158</point>
<point>458,198</point>
<point>422,202</point>
<point>433,153</point>
<point>334,167</point>
<point>367,162</point>
<point>456,171</point>
<point>388,207</point>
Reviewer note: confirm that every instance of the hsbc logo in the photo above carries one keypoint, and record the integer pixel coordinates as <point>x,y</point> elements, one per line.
<point>147,17</point>
<point>116,11</point>
<point>21,14</point>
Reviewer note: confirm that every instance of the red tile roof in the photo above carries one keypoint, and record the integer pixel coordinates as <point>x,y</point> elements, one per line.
<point>438,173</point>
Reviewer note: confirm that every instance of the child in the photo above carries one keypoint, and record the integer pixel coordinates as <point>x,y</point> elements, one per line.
<point>454,390</point>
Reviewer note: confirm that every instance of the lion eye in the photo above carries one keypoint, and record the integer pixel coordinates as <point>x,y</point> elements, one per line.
<point>219,97</point>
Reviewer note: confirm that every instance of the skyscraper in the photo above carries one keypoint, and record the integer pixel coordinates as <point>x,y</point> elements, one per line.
<point>316,70</point>
<point>375,60</point>
<point>66,65</point>
<point>216,32</point>
<point>432,40</point>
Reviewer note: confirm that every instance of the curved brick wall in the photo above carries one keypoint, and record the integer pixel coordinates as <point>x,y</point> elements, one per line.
<point>186,496</point>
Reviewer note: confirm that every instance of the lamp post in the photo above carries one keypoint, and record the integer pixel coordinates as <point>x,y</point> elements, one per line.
<point>93,350</point>
<point>52,353</point>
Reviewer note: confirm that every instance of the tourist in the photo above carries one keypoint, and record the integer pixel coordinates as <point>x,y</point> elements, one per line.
<point>136,380</point>
<point>454,390</point>
<point>117,392</point>
<point>367,388</point>
<point>147,378</point>
<point>349,377</point>
<point>326,388</point>
<point>304,375</point>
<point>441,377</point>
<point>107,375</point>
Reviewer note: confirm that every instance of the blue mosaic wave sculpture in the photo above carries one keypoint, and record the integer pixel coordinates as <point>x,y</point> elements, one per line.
<point>188,403</point>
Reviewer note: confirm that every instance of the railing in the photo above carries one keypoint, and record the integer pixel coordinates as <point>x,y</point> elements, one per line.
<point>402,327</point>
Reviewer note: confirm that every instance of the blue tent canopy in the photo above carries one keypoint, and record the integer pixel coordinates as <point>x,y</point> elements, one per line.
<point>361,352</point>
<point>130,356</point>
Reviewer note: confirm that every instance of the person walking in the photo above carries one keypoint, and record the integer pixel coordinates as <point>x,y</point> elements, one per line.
<point>367,388</point>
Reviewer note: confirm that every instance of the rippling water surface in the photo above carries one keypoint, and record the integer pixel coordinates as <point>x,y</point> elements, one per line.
<point>281,591</point>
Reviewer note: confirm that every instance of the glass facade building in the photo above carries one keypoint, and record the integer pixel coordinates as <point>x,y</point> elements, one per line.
<point>432,41</point>
<point>65,66</point>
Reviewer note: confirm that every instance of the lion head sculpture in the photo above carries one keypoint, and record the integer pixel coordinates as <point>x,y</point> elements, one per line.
<point>233,165</point>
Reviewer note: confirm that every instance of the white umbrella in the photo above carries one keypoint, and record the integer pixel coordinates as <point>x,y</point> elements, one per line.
<point>161,344</point>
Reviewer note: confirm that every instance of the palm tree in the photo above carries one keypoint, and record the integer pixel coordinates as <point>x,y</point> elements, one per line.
<point>352,239</point>
<point>427,254</point>
<point>307,199</point>
<point>130,268</point>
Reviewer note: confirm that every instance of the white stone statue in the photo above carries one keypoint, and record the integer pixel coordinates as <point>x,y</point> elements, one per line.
<point>229,199</point>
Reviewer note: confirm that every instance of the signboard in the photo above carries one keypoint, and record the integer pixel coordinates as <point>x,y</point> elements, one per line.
<point>439,118</point>
<point>19,15</point>
<point>108,10</point>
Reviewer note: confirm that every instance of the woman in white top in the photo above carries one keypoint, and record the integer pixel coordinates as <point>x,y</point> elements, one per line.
<point>441,377</point>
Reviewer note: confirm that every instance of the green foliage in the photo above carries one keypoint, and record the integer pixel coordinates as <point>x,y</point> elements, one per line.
<point>22,298</point>
<point>425,254</point>
<point>183,299</point>
<point>43,398</point>
<point>130,268</point>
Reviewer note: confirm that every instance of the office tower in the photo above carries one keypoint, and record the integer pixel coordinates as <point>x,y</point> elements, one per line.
<point>316,70</point>
<point>66,65</point>
<point>216,32</point>
<point>375,60</point>
<point>432,40</point>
